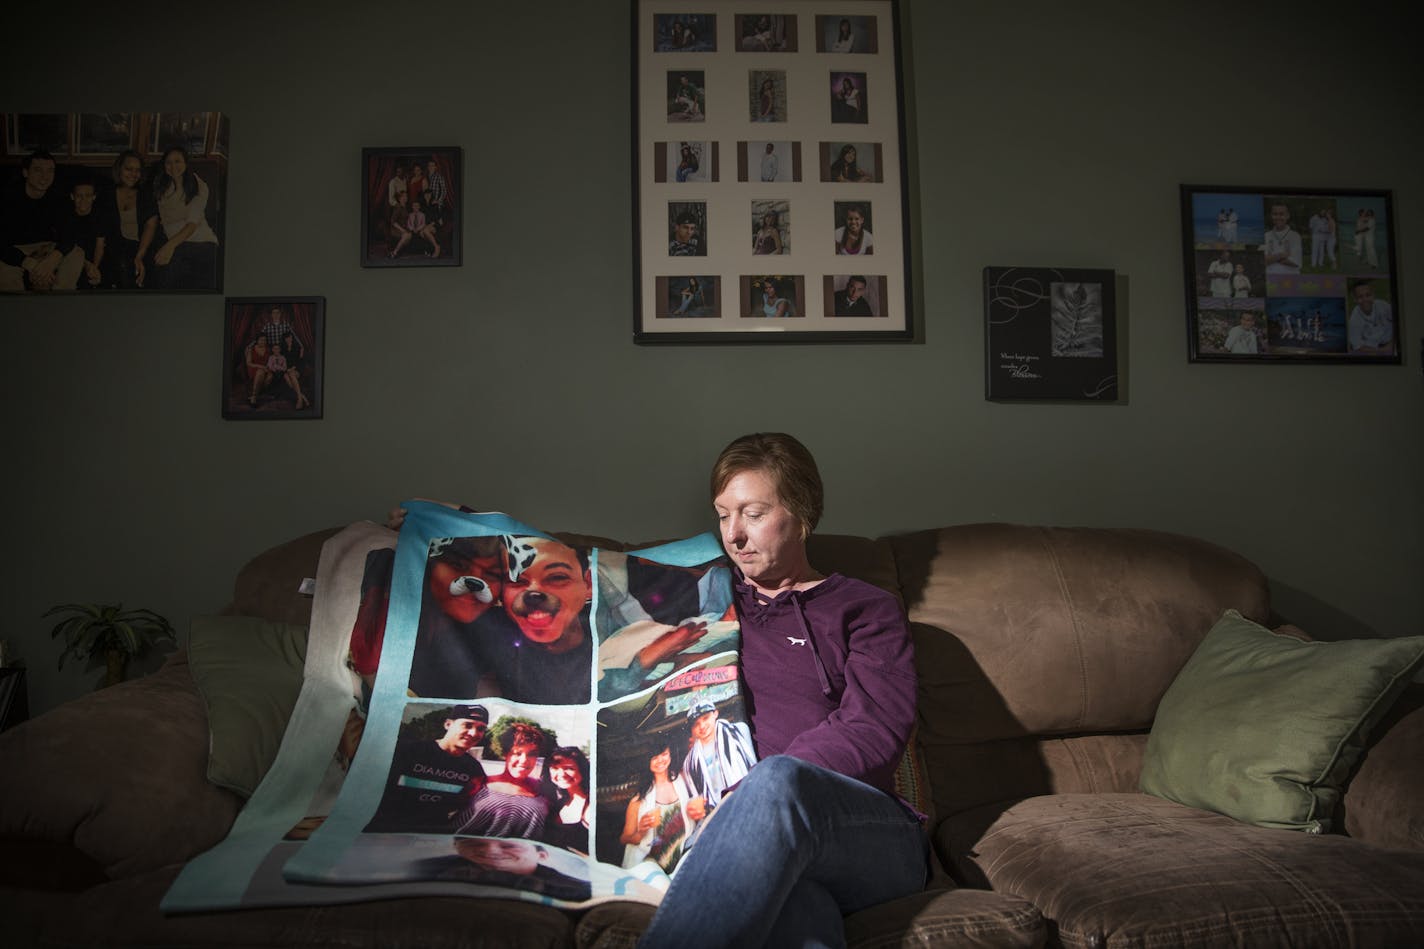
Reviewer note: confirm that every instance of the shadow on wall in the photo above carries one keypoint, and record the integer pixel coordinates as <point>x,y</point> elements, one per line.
<point>1319,619</point>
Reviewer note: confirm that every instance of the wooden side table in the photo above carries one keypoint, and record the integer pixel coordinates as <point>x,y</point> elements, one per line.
<point>14,700</point>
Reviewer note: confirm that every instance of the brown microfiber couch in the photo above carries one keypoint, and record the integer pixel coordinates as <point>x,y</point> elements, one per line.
<point>1042,653</point>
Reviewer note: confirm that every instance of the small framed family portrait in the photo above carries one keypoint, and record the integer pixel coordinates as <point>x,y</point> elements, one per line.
<point>1050,334</point>
<point>1290,275</point>
<point>273,354</point>
<point>410,207</point>
<point>820,175</point>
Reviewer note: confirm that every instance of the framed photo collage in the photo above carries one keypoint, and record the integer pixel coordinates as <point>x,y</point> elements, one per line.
<point>1279,274</point>
<point>771,193</point>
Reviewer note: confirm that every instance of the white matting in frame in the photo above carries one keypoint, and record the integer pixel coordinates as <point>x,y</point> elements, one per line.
<point>801,105</point>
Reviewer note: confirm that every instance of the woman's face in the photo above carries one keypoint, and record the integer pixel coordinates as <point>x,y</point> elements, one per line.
<point>174,164</point>
<point>769,288</point>
<point>130,172</point>
<point>520,760</point>
<point>849,155</point>
<point>660,762</point>
<point>758,530</point>
<point>565,774</point>
<point>855,223</point>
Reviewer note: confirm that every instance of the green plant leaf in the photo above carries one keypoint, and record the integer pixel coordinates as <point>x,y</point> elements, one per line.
<point>91,628</point>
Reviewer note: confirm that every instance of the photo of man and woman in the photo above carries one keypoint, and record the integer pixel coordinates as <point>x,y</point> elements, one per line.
<point>666,761</point>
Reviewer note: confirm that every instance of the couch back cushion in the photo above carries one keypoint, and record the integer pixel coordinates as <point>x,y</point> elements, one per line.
<point>1050,631</point>
<point>268,584</point>
<point>860,557</point>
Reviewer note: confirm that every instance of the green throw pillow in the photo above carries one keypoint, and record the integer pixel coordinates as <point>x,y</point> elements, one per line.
<point>249,672</point>
<point>1266,728</point>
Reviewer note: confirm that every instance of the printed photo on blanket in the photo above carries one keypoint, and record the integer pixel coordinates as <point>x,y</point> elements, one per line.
<point>485,770</point>
<point>484,861</point>
<point>665,760</point>
<point>654,619</point>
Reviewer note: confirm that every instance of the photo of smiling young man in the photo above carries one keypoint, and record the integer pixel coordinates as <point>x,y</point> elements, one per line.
<point>543,653</point>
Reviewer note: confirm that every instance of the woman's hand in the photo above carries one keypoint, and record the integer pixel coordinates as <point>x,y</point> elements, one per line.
<point>164,255</point>
<point>395,517</point>
<point>138,271</point>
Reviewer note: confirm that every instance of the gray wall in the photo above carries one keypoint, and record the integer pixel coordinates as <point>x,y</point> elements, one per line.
<point>1043,134</point>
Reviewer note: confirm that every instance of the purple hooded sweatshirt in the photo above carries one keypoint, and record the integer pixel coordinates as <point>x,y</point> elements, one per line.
<point>830,676</point>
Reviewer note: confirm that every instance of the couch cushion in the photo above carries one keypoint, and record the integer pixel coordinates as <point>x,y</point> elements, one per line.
<point>125,913</point>
<point>966,776</point>
<point>1132,870</point>
<point>1383,803</point>
<point>249,673</point>
<point>870,560</point>
<point>961,918</point>
<point>965,919</point>
<point>267,585</point>
<point>1266,728</point>
<point>1037,630</point>
<point>119,774</point>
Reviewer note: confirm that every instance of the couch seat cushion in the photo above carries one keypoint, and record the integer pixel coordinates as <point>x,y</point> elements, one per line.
<point>965,919</point>
<point>1134,870</point>
<point>125,913</point>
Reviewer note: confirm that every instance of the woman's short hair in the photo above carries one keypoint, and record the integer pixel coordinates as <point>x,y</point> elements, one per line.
<point>789,465</point>
<point>523,733</point>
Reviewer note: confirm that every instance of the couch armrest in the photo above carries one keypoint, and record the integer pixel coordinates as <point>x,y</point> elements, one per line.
<point>119,775</point>
<point>1384,802</point>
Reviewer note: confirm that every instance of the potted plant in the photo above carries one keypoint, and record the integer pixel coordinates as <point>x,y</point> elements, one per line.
<point>118,634</point>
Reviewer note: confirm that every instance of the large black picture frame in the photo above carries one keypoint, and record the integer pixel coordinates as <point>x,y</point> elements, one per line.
<point>770,179</point>
<point>1290,275</point>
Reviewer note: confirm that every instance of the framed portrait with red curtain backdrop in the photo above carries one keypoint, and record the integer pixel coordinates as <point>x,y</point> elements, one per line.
<point>273,351</point>
<point>410,207</point>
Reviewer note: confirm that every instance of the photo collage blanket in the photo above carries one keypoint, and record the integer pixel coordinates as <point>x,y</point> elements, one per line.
<point>487,710</point>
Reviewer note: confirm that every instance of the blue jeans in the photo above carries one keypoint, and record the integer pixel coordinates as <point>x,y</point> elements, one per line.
<point>793,849</point>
